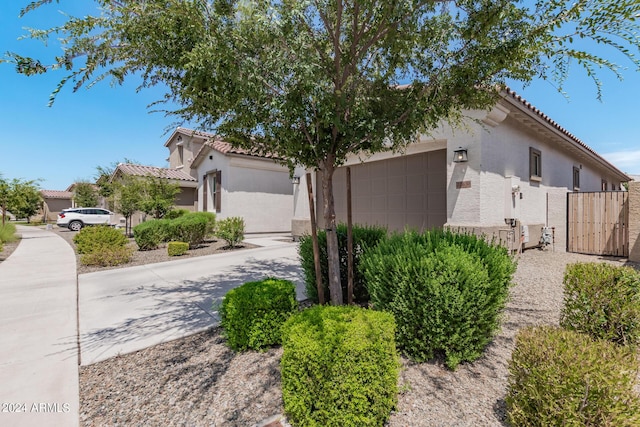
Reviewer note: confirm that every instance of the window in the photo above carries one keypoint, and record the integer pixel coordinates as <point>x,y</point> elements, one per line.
<point>180,154</point>
<point>576,179</point>
<point>212,190</point>
<point>535,164</point>
<point>605,186</point>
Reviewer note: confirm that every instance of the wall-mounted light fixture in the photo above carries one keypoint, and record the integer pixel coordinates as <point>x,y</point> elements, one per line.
<point>295,180</point>
<point>179,138</point>
<point>460,155</point>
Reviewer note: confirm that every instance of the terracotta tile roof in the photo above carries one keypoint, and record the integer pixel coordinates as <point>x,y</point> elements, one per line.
<point>512,94</point>
<point>56,194</point>
<point>140,170</point>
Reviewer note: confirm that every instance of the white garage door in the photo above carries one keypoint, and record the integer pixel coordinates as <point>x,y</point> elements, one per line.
<point>407,191</point>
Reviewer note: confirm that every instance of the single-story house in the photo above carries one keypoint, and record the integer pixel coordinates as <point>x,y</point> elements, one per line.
<point>505,173</point>
<point>185,199</point>
<point>234,182</point>
<point>53,202</point>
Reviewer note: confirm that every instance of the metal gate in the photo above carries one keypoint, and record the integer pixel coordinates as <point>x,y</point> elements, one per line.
<point>598,223</point>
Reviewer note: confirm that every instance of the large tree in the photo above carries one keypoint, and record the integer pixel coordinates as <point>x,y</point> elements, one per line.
<point>315,80</point>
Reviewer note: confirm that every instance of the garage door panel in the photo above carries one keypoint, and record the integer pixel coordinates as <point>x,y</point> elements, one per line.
<point>407,191</point>
<point>397,184</point>
<point>397,202</point>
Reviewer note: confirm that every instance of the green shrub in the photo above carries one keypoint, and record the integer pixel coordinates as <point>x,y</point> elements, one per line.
<point>177,248</point>
<point>149,234</point>
<point>107,256</point>
<point>188,228</point>
<point>175,213</point>
<point>363,237</point>
<point>563,378</point>
<point>603,301</point>
<point>445,290</point>
<point>231,230</point>
<point>210,217</point>
<point>98,238</point>
<point>339,367</point>
<point>252,314</point>
<point>8,233</point>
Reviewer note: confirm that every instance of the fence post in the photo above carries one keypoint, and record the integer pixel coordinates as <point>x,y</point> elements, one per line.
<point>634,221</point>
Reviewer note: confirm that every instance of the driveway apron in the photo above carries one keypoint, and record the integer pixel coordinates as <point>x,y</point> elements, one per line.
<point>128,309</point>
<point>38,332</point>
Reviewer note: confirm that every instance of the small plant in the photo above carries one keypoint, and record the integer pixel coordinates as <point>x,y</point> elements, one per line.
<point>94,239</point>
<point>149,234</point>
<point>177,248</point>
<point>363,237</point>
<point>563,378</point>
<point>231,230</point>
<point>446,292</point>
<point>190,228</point>
<point>339,367</point>
<point>603,301</point>
<point>252,314</point>
<point>108,256</point>
<point>8,233</point>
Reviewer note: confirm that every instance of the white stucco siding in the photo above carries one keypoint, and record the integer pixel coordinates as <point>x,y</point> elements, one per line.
<point>260,191</point>
<point>262,212</point>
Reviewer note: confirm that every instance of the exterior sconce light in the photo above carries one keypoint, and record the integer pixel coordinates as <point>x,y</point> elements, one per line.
<point>295,180</point>
<point>460,155</point>
<point>179,138</point>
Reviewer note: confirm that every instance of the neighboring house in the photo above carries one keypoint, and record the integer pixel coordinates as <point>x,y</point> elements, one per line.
<point>234,182</point>
<point>54,201</point>
<point>503,169</point>
<point>185,199</point>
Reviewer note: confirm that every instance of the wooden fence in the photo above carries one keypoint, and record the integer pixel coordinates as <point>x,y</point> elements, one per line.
<point>598,223</point>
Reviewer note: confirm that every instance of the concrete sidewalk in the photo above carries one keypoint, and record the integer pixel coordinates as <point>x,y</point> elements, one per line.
<point>38,333</point>
<point>128,309</point>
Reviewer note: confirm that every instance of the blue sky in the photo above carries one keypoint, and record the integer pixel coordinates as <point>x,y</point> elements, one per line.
<point>96,127</point>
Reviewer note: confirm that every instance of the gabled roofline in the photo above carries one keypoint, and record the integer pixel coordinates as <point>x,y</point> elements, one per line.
<point>188,132</point>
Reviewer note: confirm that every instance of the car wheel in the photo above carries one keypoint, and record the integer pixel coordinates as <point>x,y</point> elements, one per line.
<point>75,226</point>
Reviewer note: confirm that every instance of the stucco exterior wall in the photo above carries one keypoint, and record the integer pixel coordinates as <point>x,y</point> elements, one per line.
<point>52,207</point>
<point>258,190</point>
<point>634,221</point>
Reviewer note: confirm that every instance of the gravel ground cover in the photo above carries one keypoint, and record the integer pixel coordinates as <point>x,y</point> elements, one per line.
<point>197,380</point>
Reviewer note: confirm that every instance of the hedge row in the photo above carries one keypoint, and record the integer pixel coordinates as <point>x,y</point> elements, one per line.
<point>191,228</point>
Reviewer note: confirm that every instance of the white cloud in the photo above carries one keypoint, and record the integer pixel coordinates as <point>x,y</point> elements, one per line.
<point>626,161</point>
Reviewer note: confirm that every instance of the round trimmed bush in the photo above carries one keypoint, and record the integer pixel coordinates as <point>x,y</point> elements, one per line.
<point>252,314</point>
<point>445,291</point>
<point>95,238</point>
<point>339,367</point>
<point>564,378</point>
<point>602,300</point>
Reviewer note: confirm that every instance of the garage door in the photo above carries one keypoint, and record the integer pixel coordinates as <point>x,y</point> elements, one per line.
<point>407,191</point>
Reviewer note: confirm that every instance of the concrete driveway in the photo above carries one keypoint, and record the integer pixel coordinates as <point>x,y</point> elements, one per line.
<point>128,309</point>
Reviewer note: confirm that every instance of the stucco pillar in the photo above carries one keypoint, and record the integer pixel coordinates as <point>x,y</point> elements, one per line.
<point>634,221</point>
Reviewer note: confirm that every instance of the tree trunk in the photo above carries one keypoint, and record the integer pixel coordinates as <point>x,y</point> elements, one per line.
<point>333,257</point>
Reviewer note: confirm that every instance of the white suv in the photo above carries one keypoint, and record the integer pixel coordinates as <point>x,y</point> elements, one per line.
<point>76,218</point>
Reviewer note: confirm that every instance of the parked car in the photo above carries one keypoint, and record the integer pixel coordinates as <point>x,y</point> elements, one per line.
<point>76,218</point>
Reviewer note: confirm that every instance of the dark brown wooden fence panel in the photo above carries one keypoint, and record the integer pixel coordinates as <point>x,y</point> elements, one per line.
<point>598,223</point>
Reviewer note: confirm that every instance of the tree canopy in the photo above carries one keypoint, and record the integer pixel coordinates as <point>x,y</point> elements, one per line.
<point>313,81</point>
